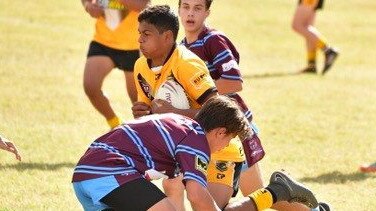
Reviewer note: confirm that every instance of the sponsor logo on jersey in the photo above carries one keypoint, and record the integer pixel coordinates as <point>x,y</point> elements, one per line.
<point>201,164</point>
<point>221,165</point>
<point>232,64</point>
<point>220,176</point>
<point>198,79</point>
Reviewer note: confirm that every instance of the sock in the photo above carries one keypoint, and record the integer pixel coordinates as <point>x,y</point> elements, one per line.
<point>321,43</point>
<point>311,58</point>
<point>262,198</point>
<point>114,122</point>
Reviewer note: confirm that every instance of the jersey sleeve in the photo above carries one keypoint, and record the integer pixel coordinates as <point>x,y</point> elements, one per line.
<point>141,83</point>
<point>192,154</point>
<point>223,61</point>
<point>194,76</point>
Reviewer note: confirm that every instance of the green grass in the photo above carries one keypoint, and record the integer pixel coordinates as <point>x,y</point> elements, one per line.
<point>318,128</point>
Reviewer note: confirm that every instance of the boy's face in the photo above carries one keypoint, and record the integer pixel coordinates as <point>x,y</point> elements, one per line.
<point>192,14</point>
<point>151,41</point>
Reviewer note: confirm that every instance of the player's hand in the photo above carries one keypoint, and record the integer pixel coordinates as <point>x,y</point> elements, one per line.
<point>93,9</point>
<point>10,147</point>
<point>159,106</point>
<point>140,109</point>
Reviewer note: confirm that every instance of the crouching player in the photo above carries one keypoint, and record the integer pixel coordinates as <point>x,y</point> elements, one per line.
<point>112,174</point>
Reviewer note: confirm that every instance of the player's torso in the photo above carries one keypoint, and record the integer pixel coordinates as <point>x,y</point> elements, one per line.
<point>178,69</point>
<point>121,32</point>
<point>142,144</point>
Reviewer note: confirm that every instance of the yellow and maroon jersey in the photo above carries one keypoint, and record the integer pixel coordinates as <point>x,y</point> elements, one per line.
<point>125,35</point>
<point>182,66</point>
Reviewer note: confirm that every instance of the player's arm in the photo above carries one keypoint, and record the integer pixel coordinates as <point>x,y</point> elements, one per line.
<point>226,86</point>
<point>226,65</point>
<point>143,105</point>
<point>93,9</point>
<point>199,196</point>
<point>7,145</point>
<point>136,5</point>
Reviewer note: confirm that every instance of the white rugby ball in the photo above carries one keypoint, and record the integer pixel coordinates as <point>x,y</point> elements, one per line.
<point>172,92</point>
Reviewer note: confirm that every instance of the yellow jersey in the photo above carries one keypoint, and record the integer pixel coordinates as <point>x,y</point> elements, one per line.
<point>192,74</point>
<point>184,67</point>
<point>125,35</point>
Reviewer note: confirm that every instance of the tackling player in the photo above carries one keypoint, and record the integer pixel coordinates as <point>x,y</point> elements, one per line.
<point>115,171</point>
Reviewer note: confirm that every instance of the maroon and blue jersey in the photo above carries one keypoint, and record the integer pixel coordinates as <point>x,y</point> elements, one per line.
<point>221,58</point>
<point>168,143</point>
<point>218,53</point>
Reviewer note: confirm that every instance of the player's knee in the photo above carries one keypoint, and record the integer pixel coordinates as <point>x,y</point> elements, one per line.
<point>296,27</point>
<point>91,90</point>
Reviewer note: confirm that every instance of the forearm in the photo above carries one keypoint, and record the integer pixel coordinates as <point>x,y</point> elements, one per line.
<point>2,143</point>
<point>199,197</point>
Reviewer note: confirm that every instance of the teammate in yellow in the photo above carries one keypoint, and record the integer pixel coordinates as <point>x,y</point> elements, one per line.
<point>303,24</point>
<point>114,46</point>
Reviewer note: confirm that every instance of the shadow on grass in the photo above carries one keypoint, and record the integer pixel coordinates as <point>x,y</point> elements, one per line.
<point>22,166</point>
<point>338,177</point>
<point>274,75</point>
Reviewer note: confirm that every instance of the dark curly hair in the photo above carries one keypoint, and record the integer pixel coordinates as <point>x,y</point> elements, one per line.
<point>162,18</point>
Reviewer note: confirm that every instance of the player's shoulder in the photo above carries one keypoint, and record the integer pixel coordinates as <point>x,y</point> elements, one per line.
<point>141,63</point>
<point>185,56</point>
<point>213,35</point>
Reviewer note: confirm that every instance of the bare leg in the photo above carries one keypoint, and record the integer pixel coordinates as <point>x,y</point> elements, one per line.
<point>164,205</point>
<point>96,69</point>
<point>251,180</point>
<point>303,25</point>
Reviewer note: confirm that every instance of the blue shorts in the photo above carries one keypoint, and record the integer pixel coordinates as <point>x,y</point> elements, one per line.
<point>89,192</point>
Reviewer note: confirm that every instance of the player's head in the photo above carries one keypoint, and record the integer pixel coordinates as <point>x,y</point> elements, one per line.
<point>207,3</point>
<point>158,28</point>
<point>222,119</point>
<point>193,14</point>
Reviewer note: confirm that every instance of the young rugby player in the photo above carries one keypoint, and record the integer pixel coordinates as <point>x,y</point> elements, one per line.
<point>115,171</point>
<point>114,46</point>
<point>303,24</point>
<point>162,61</point>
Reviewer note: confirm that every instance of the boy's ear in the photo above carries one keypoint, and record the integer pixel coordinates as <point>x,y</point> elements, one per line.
<point>168,35</point>
<point>221,131</point>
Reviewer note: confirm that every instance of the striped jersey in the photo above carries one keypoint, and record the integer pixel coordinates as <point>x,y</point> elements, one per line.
<point>221,58</point>
<point>168,143</point>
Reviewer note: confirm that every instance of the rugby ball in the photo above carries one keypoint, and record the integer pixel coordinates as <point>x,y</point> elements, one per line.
<point>172,92</point>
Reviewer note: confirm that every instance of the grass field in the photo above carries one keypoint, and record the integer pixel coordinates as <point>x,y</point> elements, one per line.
<point>317,128</point>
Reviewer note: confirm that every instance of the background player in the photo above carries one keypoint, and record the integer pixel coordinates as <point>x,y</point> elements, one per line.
<point>114,45</point>
<point>303,24</point>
